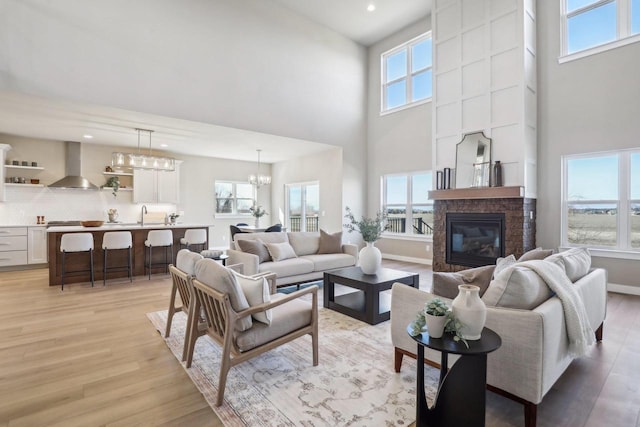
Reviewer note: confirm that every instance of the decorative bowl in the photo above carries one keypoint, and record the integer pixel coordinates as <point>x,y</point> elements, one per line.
<point>91,223</point>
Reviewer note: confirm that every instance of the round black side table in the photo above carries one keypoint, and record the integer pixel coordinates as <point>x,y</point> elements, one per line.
<point>461,397</point>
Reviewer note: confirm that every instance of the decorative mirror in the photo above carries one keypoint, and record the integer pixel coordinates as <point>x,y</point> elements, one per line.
<point>473,161</point>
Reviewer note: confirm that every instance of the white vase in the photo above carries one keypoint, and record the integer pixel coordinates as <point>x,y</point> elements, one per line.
<point>435,325</point>
<point>257,222</point>
<point>470,310</point>
<point>370,259</point>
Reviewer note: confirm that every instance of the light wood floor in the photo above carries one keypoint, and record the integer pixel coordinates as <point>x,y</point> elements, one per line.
<point>89,357</point>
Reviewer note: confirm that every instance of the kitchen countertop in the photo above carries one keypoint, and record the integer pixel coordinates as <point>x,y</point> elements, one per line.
<point>123,226</point>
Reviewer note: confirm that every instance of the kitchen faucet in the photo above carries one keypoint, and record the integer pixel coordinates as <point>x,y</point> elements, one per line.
<point>143,211</point>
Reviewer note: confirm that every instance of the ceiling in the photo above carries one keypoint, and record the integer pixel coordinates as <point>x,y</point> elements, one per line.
<point>67,121</point>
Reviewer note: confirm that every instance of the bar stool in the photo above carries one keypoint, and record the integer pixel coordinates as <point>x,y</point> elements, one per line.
<point>73,243</point>
<point>159,238</point>
<point>194,237</point>
<point>116,240</point>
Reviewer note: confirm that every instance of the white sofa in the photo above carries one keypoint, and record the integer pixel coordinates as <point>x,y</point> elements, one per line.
<point>534,351</point>
<point>307,265</point>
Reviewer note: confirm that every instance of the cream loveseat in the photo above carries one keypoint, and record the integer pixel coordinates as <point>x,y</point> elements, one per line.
<point>295,257</point>
<point>535,347</point>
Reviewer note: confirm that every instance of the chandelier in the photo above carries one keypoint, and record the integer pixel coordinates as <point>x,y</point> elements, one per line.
<point>143,161</point>
<point>259,180</point>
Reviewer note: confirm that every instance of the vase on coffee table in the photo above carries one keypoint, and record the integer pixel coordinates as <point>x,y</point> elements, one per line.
<point>370,259</point>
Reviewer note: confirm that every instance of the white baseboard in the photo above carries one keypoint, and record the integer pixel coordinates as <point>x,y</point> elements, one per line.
<point>408,259</point>
<point>623,289</point>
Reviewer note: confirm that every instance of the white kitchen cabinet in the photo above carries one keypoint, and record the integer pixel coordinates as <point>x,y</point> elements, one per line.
<point>13,246</point>
<point>151,186</point>
<point>37,245</point>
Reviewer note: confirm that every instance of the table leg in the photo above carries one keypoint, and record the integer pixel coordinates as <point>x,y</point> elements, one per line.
<point>421,403</point>
<point>328,291</point>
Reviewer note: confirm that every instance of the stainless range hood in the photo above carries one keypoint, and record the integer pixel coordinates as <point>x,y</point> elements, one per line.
<point>73,168</point>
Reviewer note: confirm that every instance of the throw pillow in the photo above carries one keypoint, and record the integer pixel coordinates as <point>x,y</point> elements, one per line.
<point>281,251</point>
<point>503,263</point>
<point>537,253</point>
<point>256,291</point>
<point>330,243</point>
<point>304,242</point>
<point>446,284</point>
<point>575,262</point>
<point>256,247</point>
<point>222,280</point>
<point>517,287</point>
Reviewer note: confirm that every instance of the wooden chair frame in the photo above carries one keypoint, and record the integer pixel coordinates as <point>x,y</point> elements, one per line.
<point>221,320</point>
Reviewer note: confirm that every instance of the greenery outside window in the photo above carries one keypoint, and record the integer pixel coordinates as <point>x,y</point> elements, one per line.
<point>406,74</point>
<point>593,26</point>
<point>601,200</point>
<point>405,200</point>
<point>234,198</point>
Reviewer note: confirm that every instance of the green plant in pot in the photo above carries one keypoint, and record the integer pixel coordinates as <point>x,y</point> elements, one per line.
<point>113,183</point>
<point>435,317</point>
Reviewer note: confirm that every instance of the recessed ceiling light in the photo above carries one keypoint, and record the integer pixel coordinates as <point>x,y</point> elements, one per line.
<point>164,145</point>
<point>371,7</point>
<point>87,136</point>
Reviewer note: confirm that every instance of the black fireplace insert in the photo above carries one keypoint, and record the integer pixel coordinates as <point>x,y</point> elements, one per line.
<point>474,239</point>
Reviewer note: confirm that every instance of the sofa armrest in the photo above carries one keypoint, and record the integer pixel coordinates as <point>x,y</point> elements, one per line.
<point>250,261</point>
<point>350,249</point>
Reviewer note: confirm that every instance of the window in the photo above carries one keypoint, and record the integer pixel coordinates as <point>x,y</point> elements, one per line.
<point>601,200</point>
<point>406,74</point>
<point>303,207</point>
<point>589,25</point>
<point>406,204</point>
<point>234,198</point>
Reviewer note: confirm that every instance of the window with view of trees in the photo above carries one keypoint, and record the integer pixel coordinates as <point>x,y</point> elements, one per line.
<point>406,74</point>
<point>588,24</point>
<point>303,206</point>
<point>234,198</point>
<point>405,200</point>
<point>601,200</point>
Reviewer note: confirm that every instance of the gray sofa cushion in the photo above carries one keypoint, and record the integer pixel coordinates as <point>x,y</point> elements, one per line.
<point>330,261</point>
<point>281,251</point>
<point>517,287</point>
<point>265,237</point>
<point>288,267</point>
<point>446,284</point>
<point>537,253</point>
<point>330,243</point>
<point>287,318</point>
<point>186,261</point>
<point>304,243</point>
<point>256,247</point>
<point>575,262</point>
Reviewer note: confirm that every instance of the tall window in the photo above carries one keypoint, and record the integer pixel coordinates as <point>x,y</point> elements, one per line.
<point>601,200</point>
<point>406,74</point>
<point>234,198</point>
<point>589,24</point>
<point>303,206</point>
<point>405,202</point>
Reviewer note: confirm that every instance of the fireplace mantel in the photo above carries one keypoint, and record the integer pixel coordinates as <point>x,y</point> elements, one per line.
<point>478,193</point>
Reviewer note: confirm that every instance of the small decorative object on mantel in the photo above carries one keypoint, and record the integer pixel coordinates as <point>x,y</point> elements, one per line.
<point>470,310</point>
<point>257,212</point>
<point>497,174</point>
<point>370,257</point>
<point>446,182</point>
<point>439,180</point>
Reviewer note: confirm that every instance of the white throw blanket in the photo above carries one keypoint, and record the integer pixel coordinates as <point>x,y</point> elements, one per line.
<point>579,331</point>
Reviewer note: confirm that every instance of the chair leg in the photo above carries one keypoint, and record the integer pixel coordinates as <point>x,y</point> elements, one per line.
<point>171,311</point>
<point>599,332</point>
<point>91,256</point>
<point>104,268</point>
<point>397,359</point>
<point>224,371</point>
<point>530,414</point>
<point>192,337</point>
<point>63,258</point>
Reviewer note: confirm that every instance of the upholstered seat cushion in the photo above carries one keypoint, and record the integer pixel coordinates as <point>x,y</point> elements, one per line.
<point>222,280</point>
<point>330,261</point>
<point>186,261</point>
<point>288,267</point>
<point>287,318</point>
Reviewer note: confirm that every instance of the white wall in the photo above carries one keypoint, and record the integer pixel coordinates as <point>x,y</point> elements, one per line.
<point>247,64</point>
<point>397,142</point>
<point>197,194</point>
<point>588,105</point>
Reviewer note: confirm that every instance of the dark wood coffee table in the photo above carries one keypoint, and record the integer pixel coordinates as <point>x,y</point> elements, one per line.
<point>367,303</point>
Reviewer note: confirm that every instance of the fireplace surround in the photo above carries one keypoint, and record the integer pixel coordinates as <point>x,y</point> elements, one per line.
<point>474,239</point>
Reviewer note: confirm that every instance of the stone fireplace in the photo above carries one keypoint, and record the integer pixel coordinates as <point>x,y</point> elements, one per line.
<point>479,240</point>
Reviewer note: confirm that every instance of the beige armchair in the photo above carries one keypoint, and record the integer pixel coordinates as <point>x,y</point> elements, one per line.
<point>229,322</point>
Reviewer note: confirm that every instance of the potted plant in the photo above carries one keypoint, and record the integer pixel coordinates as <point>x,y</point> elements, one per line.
<point>113,183</point>
<point>371,229</point>
<point>257,212</point>
<point>173,217</point>
<point>435,315</point>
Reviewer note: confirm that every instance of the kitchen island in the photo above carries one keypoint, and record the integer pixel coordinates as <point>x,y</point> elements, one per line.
<point>79,261</point>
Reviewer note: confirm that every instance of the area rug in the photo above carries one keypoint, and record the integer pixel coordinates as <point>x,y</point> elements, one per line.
<point>353,385</point>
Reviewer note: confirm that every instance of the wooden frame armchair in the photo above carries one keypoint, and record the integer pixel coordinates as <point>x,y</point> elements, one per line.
<point>292,317</point>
